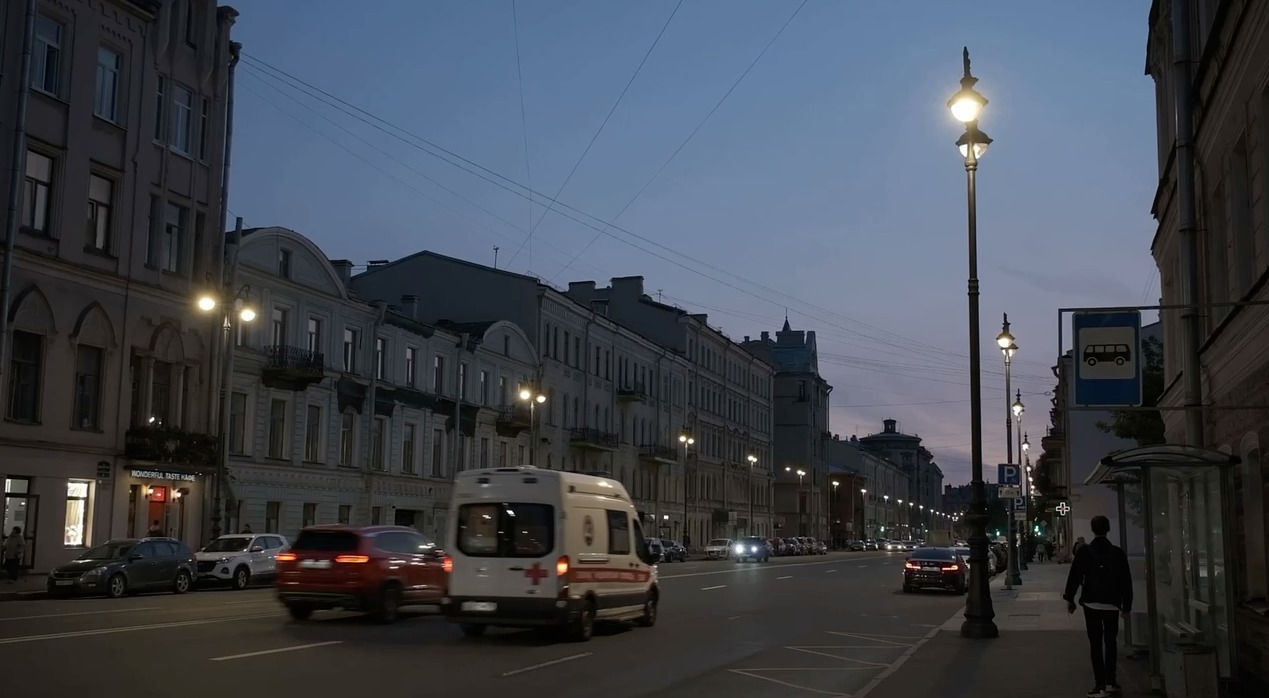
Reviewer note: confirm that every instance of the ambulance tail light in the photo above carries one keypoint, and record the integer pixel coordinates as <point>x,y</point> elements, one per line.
<point>561,576</point>
<point>561,566</point>
<point>448,565</point>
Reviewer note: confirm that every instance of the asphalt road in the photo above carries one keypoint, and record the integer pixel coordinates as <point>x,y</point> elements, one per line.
<point>792,627</point>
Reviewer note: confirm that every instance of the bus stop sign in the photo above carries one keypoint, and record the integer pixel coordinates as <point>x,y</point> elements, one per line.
<point>1107,357</point>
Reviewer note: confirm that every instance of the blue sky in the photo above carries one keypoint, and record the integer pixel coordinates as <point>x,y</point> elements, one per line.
<point>826,183</point>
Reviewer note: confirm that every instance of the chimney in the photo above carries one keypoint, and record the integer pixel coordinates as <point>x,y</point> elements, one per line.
<point>343,267</point>
<point>628,287</point>
<point>410,306</point>
<point>766,336</point>
<point>581,291</point>
<point>889,425</point>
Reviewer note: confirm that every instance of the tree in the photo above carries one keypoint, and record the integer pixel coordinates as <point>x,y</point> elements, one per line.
<point>1143,426</point>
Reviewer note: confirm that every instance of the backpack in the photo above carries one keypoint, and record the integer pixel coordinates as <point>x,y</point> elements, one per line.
<point>1101,580</point>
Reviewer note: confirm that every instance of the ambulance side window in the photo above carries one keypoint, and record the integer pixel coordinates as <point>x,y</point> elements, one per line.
<point>618,533</point>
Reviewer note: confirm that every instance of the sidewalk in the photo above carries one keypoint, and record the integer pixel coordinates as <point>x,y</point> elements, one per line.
<point>29,586</point>
<point>1042,651</point>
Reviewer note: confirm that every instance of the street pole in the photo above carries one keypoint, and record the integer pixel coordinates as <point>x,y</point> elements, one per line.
<point>967,105</point>
<point>1024,527</point>
<point>1008,348</point>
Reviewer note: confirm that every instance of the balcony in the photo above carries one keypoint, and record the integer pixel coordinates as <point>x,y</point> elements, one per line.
<point>659,454</point>
<point>593,439</point>
<point>292,368</point>
<point>513,420</point>
<point>169,445</point>
<point>632,392</point>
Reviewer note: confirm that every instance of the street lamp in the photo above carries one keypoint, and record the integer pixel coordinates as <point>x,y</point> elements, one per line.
<point>833,532</point>
<point>534,397</point>
<point>753,460</point>
<point>800,473</point>
<point>235,310</point>
<point>1008,348</point>
<point>966,106</point>
<point>863,509</point>
<point>686,440</point>
<point>1018,408</point>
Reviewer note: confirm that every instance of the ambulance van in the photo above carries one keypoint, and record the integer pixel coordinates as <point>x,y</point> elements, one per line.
<point>530,547</point>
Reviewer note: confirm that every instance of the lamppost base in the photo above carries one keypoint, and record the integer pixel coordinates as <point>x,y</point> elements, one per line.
<point>1013,579</point>
<point>979,629</point>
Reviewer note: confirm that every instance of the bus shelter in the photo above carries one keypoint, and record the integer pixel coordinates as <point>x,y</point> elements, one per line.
<point>1185,491</point>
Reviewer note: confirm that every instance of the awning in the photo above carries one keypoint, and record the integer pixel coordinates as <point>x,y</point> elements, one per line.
<point>1125,466</point>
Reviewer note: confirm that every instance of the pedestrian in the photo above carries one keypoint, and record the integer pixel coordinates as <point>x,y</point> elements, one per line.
<point>246,529</point>
<point>14,553</point>
<point>1049,549</point>
<point>1100,571</point>
<point>155,530</point>
<point>1079,543</point>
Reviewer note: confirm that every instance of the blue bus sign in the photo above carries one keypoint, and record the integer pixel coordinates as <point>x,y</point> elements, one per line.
<point>1107,357</point>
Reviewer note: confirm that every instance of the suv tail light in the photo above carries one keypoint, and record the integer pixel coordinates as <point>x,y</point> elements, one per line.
<point>356,559</point>
<point>448,565</point>
<point>951,568</point>
<point>911,566</point>
<point>286,557</point>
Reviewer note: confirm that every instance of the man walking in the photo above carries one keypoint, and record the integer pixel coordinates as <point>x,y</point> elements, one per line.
<point>14,549</point>
<point>1100,571</point>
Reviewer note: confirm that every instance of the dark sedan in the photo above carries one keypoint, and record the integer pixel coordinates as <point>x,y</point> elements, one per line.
<point>124,566</point>
<point>935,567</point>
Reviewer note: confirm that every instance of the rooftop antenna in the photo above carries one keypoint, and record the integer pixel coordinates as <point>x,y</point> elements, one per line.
<point>495,256</point>
<point>658,295</point>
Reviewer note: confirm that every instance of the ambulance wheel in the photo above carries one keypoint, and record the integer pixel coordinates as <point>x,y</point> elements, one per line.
<point>473,629</point>
<point>581,628</point>
<point>649,617</point>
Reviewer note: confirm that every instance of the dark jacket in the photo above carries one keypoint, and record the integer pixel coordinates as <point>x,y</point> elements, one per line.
<point>1100,571</point>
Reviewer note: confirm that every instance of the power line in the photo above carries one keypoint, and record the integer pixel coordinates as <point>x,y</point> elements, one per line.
<point>916,404</point>
<point>524,128</point>
<point>690,135</point>
<point>595,136</point>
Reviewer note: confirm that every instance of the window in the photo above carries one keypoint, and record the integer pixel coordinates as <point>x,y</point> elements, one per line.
<point>100,196</point>
<point>272,510</point>
<point>411,361</point>
<point>279,326</point>
<point>277,429</point>
<point>350,350</point>
<point>484,387</point>
<point>174,222</point>
<point>310,514</point>
<point>25,367</point>
<point>377,439</point>
<point>618,533</point>
<point>204,130</point>
<point>284,263</point>
<point>438,453</point>
<point>409,437</point>
<point>462,380</point>
<point>106,98</point>
<point>313,434</point>
<point>506,529</point>
<point>484,452</point>
<point>345,513</point>
<point>314,335</point>
<point>76,514</point>
<point>35,192</point>
<point>46,67</point>
<point>87,387</point>
<point>502,391</point>
<point>502,454</point>
<point>182,119</point>
<point>160,114</point>
<point>438,375</point>
<point>381,346</point>
<point>376,516</point>
<point>238,423</point>
<point>347,434</point>
<point>192,27</point>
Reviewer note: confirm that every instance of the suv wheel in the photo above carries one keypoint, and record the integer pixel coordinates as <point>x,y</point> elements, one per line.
<point>388,605</point>
<point>242,576</point>
<point>117,586</point>
<point>299,611</point>
<point>182,583</point>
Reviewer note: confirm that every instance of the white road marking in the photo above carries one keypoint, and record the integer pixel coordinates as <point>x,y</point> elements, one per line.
<point>875,638</point>
<point>733,617</point>
<point>275,651</point>
<point>786,684</point>
<point>861,565</point>
<point>239,603</point>
<point>787,576</point>
<point>553,662</point>
<point>759,568</point>
<point>829,571</point>
<point>885,673</point>
<point>818,650</point>
<point>81,613</point>
<point>127,629</point>
<point>719,586</point>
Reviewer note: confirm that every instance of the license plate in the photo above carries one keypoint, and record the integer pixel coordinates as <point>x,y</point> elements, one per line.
<point>480,606</point>
<point>932,568</point>
<point>315,564</point>
<point>63,582</point>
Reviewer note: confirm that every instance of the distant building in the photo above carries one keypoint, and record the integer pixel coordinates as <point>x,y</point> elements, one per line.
<point>879,478</point>
<point>924,492</point>
<point>106,367</point>
<point>801,430</point>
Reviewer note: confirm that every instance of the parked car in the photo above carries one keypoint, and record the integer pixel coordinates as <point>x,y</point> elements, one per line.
<point>935,567</point>
<point>375,568</point>
<point>673,551</point>
<point>240,559</point>
<point>751,548</point>
<point>718,549</point>
<point>656,550</point>
<point>125,566</point>
<point>855,545</point>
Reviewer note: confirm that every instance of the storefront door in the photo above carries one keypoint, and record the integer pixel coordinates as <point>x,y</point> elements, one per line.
<point>22,510</point>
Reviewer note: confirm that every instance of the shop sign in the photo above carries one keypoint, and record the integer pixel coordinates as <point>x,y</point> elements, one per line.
<point>163,475</point>
<point>104,470</point>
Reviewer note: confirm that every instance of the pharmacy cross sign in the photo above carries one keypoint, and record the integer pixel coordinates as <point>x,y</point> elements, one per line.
<point>1063,508</point>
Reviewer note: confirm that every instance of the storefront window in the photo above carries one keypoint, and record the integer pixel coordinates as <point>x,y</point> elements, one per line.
<point>76,513</point>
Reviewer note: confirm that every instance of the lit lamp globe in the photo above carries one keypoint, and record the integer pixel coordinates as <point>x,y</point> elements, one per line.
<point>206,303</point>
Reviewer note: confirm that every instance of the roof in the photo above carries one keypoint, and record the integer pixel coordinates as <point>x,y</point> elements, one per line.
<point>426,253</point>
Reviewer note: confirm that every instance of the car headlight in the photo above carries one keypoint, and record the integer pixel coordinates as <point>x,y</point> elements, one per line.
<point>753,549</point>
<point>94,573</point>
<point>740,548</point>
<point>222,560</point>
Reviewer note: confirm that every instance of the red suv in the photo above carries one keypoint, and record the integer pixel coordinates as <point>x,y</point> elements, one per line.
<point>376,569</point>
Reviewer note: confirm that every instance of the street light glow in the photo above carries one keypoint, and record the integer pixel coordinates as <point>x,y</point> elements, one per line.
<point>247,314</point>
<point>525,394</point>
<point>206,303</point>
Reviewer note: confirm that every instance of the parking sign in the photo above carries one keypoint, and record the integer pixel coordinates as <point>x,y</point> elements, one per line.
<point>1008,474</point>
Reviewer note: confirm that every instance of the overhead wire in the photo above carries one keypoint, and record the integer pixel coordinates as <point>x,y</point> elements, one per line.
<point>524,128</point>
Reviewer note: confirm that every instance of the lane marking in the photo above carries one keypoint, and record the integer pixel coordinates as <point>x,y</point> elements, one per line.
<point>874,638</point>
<point>275,651</point>
<point>829,571</point>
<point>762,567</point>
<point>861,565</point>
<point>817,650</point>
<point>239,603</point>
<point>885,673</point>
<point>786,684</point>
<point>733,617</point>
<point>787,576</point>
<point>719,586</point>
<point>131,628</point>
<point>552,662</point>
<point>81,613</point>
